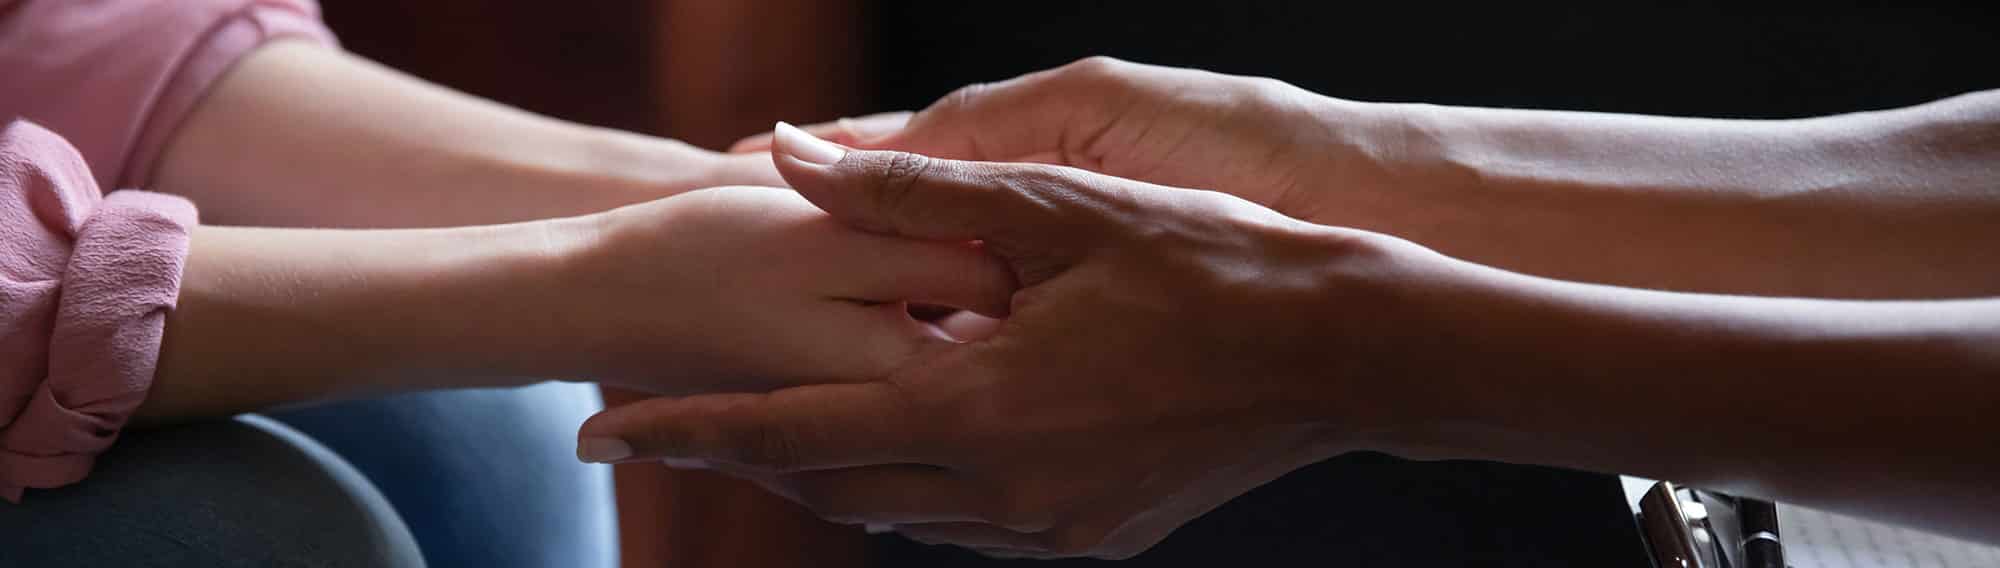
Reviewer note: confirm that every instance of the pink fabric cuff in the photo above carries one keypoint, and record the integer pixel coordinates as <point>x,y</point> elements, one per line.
<point>68,392</point>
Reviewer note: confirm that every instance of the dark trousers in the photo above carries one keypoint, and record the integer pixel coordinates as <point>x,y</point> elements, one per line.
<point>1365,509</point>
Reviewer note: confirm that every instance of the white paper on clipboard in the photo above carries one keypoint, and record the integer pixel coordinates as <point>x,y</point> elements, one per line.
<point>1818,539</point>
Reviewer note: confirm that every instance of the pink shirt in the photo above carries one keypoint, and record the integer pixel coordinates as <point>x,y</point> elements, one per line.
<point>90,90</point>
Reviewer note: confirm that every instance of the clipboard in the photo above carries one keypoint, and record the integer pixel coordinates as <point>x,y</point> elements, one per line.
<point>1691,528</point>
<point>1812,538</point>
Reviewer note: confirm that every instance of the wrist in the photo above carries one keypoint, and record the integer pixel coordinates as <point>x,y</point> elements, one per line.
<point>467,306</point>
<point>1409,344</point>
<point>1375,166</point>
<point>637,167</point>
<point>1495,365</point>
<point>505,304</point>
<point>607,297</point>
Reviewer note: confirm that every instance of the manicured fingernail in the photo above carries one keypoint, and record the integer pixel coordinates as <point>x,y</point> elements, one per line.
<point>602,450</point>
<point>798,144</point>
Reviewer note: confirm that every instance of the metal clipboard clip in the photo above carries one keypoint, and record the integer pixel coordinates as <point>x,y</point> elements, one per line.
<point>1692,528</point>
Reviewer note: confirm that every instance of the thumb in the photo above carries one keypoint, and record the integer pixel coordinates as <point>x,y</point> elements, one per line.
<point>1016,209</point>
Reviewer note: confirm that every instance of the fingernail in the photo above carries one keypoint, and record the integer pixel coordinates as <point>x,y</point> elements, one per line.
<point>602,450</point>
<point>803,146</point>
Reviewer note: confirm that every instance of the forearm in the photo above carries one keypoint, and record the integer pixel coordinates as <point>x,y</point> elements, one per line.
<point>275,316</point>
<point>1870,205</point>
<point>1875,408</point>
<point>300,135</point>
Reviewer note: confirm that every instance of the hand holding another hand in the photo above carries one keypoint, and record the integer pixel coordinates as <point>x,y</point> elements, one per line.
<point>1162,357</point>
<point>1288,149</point>
<point>1171,348</point>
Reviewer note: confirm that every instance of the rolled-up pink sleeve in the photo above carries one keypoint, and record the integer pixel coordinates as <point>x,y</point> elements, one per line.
<point>85,284</point>
<point>117,77</point>
<point>93,91</point>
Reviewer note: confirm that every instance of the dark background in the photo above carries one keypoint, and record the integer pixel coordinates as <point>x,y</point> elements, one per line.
<point>1737,59</point>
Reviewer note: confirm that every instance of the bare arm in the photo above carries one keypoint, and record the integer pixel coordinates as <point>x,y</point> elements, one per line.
<point>276,316</point>
<point>300,135</point>
<point>1898,203</point>
<point>1876,408</point>
<point>736,288</point>
<point>1893,204</point>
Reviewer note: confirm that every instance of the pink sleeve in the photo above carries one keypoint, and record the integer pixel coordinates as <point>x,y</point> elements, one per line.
<point>116,77</point>
<point>85,284</point>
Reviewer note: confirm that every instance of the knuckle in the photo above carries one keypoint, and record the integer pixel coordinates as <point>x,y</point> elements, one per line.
<point>1268,94</point>
<point>1099,72</point>
<point>764,445</point>
<point>1066,194</point>
<point>1096,65</point>
<point>1042,183</point>
<point>1040,176</point>
<point>1268,85</point>
<point>904,168</point>
<point>902,172</point>
<point>901,175</point>
<point>964,97</point>
<point>684,428</point>
<point>666,436</point>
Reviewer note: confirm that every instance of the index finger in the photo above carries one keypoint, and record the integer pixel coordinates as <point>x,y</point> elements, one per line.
<point>800,428</point>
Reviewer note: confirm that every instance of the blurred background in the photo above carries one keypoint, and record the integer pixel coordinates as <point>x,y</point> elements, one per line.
<point>710,71</point>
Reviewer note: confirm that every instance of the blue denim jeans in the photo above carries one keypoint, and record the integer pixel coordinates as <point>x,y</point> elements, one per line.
<point>455,478</point>
<point>483,477</point>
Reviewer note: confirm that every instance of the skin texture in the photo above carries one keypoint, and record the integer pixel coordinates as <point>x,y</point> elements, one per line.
<point>298,135</point>
<point>1866,205</point>
<point>1228,344</point>
<point>960,448</point>
<point>733,288</point>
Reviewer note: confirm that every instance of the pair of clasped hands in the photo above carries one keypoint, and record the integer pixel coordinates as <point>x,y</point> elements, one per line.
<point>1121,303</point>
<point>1144,291</point>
